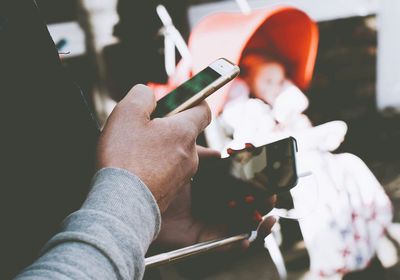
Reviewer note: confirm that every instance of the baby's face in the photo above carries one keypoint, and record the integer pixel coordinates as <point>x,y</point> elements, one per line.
<point>267,81</point>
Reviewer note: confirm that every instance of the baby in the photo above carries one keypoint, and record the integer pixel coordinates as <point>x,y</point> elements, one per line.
<point>265,76</point>
<point>264,106</point>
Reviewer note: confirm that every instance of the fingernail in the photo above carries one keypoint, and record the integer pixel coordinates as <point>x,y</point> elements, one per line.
<point>249,199</point>
<point>232,204</point>
<point>273,220</point>
<point>257,216</point>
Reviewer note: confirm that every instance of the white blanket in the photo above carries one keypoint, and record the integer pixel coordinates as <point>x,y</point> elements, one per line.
<point>342,232</point>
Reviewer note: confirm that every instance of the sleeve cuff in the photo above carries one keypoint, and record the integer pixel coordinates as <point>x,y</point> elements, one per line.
<point>119,193</point>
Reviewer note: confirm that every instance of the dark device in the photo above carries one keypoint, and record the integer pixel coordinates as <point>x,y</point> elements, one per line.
<point>238,187</point>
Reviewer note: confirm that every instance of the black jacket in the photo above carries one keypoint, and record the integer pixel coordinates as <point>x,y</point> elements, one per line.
<point>139,57</point>
<point>47,137</point>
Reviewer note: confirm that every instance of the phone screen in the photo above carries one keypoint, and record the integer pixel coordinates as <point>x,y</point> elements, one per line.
<point>185,91</point>
<point>271,167</point>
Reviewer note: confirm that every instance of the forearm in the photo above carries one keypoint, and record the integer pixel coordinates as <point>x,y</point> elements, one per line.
<point>107,238</point>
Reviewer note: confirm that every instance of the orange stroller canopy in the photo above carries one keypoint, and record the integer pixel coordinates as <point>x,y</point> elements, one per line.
<point>283,32</point>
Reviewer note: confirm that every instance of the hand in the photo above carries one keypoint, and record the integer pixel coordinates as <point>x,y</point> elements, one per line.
<point>180,229</point>
<point>161,152</point>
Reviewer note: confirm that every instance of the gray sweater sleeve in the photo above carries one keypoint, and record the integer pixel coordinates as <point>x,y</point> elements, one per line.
<point>107,238</point>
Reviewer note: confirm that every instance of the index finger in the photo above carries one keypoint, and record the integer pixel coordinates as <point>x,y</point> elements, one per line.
<point>204,152</point>
<point>198,117</point>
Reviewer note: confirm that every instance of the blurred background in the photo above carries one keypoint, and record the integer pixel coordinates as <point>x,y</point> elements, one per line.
<point>110,45</point>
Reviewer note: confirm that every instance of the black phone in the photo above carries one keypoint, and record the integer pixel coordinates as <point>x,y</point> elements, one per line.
<point>233,188</point>
<point>271,168</point>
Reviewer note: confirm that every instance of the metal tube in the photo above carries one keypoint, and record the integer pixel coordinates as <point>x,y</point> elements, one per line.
<point>194,250</point>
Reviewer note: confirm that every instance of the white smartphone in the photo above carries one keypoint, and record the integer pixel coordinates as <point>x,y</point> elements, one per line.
<point>196,89</point>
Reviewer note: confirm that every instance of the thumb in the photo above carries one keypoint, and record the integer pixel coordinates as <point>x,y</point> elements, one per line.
<point>265,227</point>
<point>195,119</point>
<point>141,99</point>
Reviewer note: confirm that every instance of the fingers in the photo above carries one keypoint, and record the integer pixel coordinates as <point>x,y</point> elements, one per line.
<point>265,227</point>
<point>142,100</point>
<point>204,152</point>
<point>196,118</point>
<point>245,244</point>
<point>269,203</point>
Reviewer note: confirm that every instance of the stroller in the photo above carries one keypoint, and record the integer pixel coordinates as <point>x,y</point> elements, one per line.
<point>230,34</point>
<point>364,209</point>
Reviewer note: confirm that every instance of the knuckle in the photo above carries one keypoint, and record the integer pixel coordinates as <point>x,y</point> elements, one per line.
<point>208,114</point>
<point>195,164</point>
<point>172,132</point>
<point>175,135</point>
<point>188,159</point>
<point>163,128</point>
<point>173,128</point>
<point>133,105</point>
<point>185,132</point>
<point>191,133</point>
<point>153,99</point>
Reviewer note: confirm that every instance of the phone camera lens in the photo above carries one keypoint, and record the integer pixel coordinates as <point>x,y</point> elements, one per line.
<point>276,165</point>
